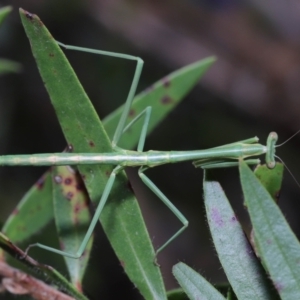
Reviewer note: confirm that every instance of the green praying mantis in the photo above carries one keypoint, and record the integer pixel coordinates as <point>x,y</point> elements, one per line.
<point>218,157</point>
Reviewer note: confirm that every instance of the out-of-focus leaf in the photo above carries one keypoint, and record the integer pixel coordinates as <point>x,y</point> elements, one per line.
<point>9,66</point>
<point>242,268</point>
<point>4,12</point>
<point>33,211</point>
<point>277,245</point>
<point>6,65</point>
<point>271,179</point>
<point>194,285</point>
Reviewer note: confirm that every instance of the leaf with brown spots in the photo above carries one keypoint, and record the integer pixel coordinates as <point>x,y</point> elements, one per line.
<point>72,216</point>
<point>122,220</point>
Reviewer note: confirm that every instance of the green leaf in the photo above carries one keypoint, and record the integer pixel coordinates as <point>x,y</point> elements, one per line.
<point>240,264</point>
<point>4,12</point>
<point>121,217</point>
<point>33,212</point>
<point>9,66</point>
<point>194,285</point>
<point>278,247</point>
<point>177,294</point>
<point>72,216</point>
<point>271,179</point>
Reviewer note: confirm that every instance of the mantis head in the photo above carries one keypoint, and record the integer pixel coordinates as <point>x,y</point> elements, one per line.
<point>271,145</point>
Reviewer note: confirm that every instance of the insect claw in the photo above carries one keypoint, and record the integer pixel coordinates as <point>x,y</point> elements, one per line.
<point>26,251</point>
<point>155,261</point>
<point>24,256</point>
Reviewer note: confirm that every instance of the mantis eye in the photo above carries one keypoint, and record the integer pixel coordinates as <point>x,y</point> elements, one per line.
<point>270,154</point>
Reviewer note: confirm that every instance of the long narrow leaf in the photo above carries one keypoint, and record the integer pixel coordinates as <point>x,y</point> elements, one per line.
<point>4,12</point>
<point>276,243</point>
<point>241,266</point>
<point>33,212</point>
<point>194,285</point>
<point>71,206</point>
<point>121,217</point>
<point>6,65</point>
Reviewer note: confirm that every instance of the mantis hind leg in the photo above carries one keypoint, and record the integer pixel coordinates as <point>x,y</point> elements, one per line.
<point>92,225</point>
<point>169,204</point>
<point>132,90</point>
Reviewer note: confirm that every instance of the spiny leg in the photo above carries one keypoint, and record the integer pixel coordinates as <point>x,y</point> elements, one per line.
<point>169,204</point>
<point>93,223</point>
<point>134,83</point>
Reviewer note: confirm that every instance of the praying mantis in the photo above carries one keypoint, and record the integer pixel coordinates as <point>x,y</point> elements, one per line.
<point>218,157</point>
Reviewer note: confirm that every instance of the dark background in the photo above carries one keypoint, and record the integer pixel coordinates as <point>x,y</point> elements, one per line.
<point>251,90</point>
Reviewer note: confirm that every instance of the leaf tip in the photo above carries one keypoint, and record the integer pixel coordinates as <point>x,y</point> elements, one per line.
<point>27,15</point>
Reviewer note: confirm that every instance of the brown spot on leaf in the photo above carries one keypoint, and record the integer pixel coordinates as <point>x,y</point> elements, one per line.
<point>131,113</point>
<point>166,82</point>
<point>28,15</point>
<point>79,187</point>
<point>92,144</point>
<point>122,262</point>
<point>40,183</point>
<point>22,228</point>
<point>78,286</point>
<point>15,211</point>
<point>51,54</point>
<point>70,195</point>
<point>68,181</point>
<point>166,100</point>
<point>77,208</point>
